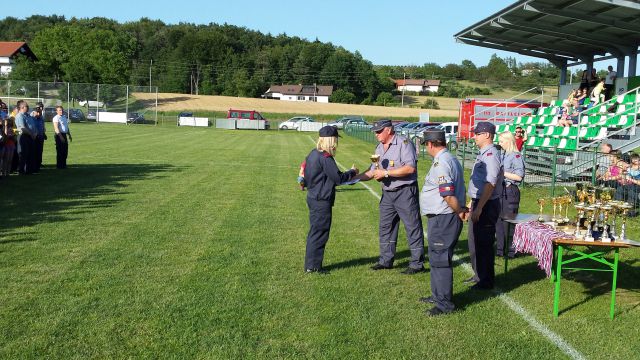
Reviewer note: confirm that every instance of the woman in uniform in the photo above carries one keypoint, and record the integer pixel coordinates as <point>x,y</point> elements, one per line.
<point>513,164</point>
<point>321,176</point>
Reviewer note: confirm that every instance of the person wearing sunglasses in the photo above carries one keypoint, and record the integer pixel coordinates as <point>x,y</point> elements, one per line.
<point>520,137</point>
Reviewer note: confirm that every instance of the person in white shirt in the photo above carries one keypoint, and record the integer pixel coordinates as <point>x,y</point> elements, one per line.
<point>63,136</point>
<point>609,83</point>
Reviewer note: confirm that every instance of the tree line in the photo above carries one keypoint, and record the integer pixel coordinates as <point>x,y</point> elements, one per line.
<point>216,59</point>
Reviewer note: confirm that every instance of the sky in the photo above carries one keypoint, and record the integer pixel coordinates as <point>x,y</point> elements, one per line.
<point>408,32</point>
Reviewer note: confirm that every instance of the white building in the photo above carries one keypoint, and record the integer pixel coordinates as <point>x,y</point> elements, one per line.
<point>317,93</point>
<point>8,53</point>
<point>417,85</point>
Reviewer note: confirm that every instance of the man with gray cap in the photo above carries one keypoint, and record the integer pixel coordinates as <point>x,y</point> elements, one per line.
<point>485,190</point>
<point>396,169</point>
<point>442,201</point>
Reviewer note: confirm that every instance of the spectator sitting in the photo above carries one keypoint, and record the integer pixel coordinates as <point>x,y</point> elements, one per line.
<point>580,96</point>
<point>630,189</point>
<point>614,174</point>
<point>520,137</point>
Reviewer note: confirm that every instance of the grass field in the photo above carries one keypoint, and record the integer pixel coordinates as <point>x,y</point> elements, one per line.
<point>166,242</point>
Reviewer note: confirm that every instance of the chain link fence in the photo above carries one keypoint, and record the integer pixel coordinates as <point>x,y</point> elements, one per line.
<point>84,102</point>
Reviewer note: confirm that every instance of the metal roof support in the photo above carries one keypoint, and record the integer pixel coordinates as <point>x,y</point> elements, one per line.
<point>633,60</point>
<point>620,67</point>
<point>563,74</point>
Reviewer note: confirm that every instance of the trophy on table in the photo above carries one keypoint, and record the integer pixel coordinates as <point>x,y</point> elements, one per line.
<point>625,207</point>
<point>581,193</point>
<point>567,202</point>
<point>541,202</point>
<point>590,213</point>
<point>554,201</point>
<point>579,215</point>
<point>591,195</point>
<point>605,209</point>
<point>375,159</point>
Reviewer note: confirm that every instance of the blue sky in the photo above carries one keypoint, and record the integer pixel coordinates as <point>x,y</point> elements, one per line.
<point>410,32</point>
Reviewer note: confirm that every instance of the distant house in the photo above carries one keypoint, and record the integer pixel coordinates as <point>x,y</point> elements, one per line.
<point>317,93</point>
<point>417,85</point>
<point>9,51</point>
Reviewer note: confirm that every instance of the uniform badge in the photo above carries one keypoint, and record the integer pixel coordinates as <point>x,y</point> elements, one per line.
<point>406,141</point>
<point>489,154</point>
<point>435,164</point>
<point>517,156</point>
<point>441,180</point>
<point>391,163</point>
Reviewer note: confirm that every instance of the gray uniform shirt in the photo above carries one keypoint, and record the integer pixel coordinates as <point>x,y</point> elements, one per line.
<point>445,178</point>
<point>21,122</point>
<point>487,169</point>
<point>401,152</point>
<point>513,162</point>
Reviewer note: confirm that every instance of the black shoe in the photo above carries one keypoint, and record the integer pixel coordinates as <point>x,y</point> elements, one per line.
<point>499,255</point>
<point>481,287</point>
<point>380,267</point>
<point>428,300</point>
<point>316,270</point>
<point>472,280</point>
<point>412,271</point>
<point>435,311</point>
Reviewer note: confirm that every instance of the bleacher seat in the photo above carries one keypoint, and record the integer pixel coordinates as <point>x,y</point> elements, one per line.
<point>568,144</point>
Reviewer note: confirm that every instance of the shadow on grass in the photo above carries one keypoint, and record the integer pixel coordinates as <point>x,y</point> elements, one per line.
<point>400,255</point>
<point>60,195</point>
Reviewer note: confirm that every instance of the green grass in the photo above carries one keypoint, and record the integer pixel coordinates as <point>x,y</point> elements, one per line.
<point>189,243</point>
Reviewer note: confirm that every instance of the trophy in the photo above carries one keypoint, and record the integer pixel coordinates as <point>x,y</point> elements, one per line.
<point>567,201</point>
<point>541,202</point>
<point>554,201</point>
<point>625,207</point>
<point>581,193</point>
<point>375,159</point>
<point>605,209</point>
<point>591,195</point>
<point>590,213</point>
<point>607,194</point>
<point>580,215</point>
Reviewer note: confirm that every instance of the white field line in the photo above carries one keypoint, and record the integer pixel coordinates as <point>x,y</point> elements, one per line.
<point>554,338</point>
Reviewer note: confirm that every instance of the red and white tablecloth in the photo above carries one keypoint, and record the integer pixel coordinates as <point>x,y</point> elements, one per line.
<point>537,238</point>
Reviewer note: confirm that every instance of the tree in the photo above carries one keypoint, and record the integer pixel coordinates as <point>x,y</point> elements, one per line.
<point>342,96</point>
<point>385,98</point>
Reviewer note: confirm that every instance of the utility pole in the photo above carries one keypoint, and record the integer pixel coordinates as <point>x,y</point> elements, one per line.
<point>404,86</point>
<point>150,65</point>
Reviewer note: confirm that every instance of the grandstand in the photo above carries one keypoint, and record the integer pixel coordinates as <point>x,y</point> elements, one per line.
<point>570,33</point>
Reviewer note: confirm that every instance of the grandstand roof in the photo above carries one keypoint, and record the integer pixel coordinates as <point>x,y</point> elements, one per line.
<point>561,31</point>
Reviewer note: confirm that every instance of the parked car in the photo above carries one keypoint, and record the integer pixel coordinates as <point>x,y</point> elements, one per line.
<point>49,112</point>
<point>247,115</point>
<point>339,123</point>
<point>294,122</point>
<point>451,134</point>
<point>92,115</point>
<point>358,122</point>
<point>135,118</point>
<point>76,115</point>
<point>185,114</point>
<point>417,129</point>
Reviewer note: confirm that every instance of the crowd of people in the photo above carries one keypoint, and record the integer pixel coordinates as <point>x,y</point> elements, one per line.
<point>492,193</point>
<point>592,91</point>
<point>621,173</point>
<point>23,135</point>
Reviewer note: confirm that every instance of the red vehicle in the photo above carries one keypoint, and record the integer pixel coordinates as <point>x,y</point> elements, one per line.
<point>246,115</point>
<point>494,111</point>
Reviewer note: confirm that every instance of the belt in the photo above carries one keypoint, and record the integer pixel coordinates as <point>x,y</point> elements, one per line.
<point>400,187</point>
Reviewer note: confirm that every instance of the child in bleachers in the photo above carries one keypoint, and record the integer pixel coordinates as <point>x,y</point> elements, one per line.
<point>597,94</point>
<point>614,176</point>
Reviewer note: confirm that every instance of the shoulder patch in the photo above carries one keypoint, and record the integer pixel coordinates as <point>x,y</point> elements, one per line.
<point>517,156</point>
<point>489,154</point>
<point>405,141</point>
<point>435,164</point>
<point>441,180</point>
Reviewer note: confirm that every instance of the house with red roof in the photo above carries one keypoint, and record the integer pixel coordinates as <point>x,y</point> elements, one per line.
<point>9,51</point>
<point>316,93</point>
<point>417,85</point>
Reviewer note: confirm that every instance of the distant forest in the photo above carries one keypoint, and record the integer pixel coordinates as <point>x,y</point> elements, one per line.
<point>229,60</point>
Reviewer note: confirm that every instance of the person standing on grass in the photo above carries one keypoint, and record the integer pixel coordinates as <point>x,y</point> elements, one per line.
<point>40,137</point>
<point>9,146</point>
<point>513,164</point>
<point>396,170</point>
<point>321,176</point>
<point>441,201</point>
<point>26,139</point>
<point>485,190</point>
<point>63,136</point>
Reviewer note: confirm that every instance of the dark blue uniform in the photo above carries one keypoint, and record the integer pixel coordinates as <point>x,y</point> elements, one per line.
<point>482,234</point>
<point>512,162</point>
<point>321,175</point>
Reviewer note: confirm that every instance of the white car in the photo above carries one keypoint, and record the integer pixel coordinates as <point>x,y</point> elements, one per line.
<point>294,122</point>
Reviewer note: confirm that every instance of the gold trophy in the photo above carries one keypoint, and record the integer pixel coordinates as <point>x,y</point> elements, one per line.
<point>581,193</point>
<point>375,159</point>
<point>555,201</point>
<point>591,195</point>
<point>590,213</point>
<point>541,202</point>
<point>605,209</point>
<point>579,215</point>
<point>625,207</point>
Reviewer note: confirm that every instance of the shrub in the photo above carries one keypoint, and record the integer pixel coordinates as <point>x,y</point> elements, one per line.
<point>430,104</point>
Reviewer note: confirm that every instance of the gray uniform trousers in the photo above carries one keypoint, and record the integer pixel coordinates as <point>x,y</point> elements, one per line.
<point>482,236</point>
<point>443,232</point>
<point>401,204</point>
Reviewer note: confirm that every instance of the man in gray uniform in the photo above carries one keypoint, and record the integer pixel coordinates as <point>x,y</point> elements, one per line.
<point>485,189</point>
<point>441,201</point>
<point>397,172</point>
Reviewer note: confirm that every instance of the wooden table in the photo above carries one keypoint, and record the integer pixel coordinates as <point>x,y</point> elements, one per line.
<point>595,251</point>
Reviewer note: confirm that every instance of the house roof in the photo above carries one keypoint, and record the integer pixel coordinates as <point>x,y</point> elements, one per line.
<point>417,82</point>
<point>561,31</point>
<point>11,48</point>
<point>319,90</point>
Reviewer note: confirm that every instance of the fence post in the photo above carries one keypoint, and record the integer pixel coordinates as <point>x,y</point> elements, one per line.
<point>464,152</point>
<point>594,167</point>
<point>554,164</point>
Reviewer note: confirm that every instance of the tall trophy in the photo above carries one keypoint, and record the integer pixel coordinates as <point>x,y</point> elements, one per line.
<point>605,209</point>
<point>579,215</point>
<point>541,202</point>
<point>590,213</point>
<point>625,207</point>
<point>375,159</point>
<point>567,202</point>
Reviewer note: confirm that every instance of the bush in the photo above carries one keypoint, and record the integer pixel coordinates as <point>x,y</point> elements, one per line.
<point>384,99</point>
<point>342,96</point>
<point>430,104</point>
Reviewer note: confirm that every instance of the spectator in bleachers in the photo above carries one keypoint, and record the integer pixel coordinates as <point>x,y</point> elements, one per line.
<point>597,94</point>
<point>630,184</point>
<point>520,137</point>
<point>614,176</point>
<point>8,147</point>
<point>578,100</point>
<point>609,83</point>
<point>584,80</point>
<point>594,79</point>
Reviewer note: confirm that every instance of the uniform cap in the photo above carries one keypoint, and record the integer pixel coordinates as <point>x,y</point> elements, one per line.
<point>484,126</point>
<point>433,135</point>
<point>381,124</point>
<point>328,131</point>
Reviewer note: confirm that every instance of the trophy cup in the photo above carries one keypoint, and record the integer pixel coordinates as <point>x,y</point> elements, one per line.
<point>541,202</point>
<point>605,209</point>
<point>591,195</point>
<point>375,159</point>
<point>625,207</point>
<point>554,201</point>
<point>567,202</point>
<point>590,211</point>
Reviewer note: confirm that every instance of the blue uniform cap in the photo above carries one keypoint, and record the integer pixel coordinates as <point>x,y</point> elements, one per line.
<point>328,131</point>
<point>484,126</point>
<point>381,124</point>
